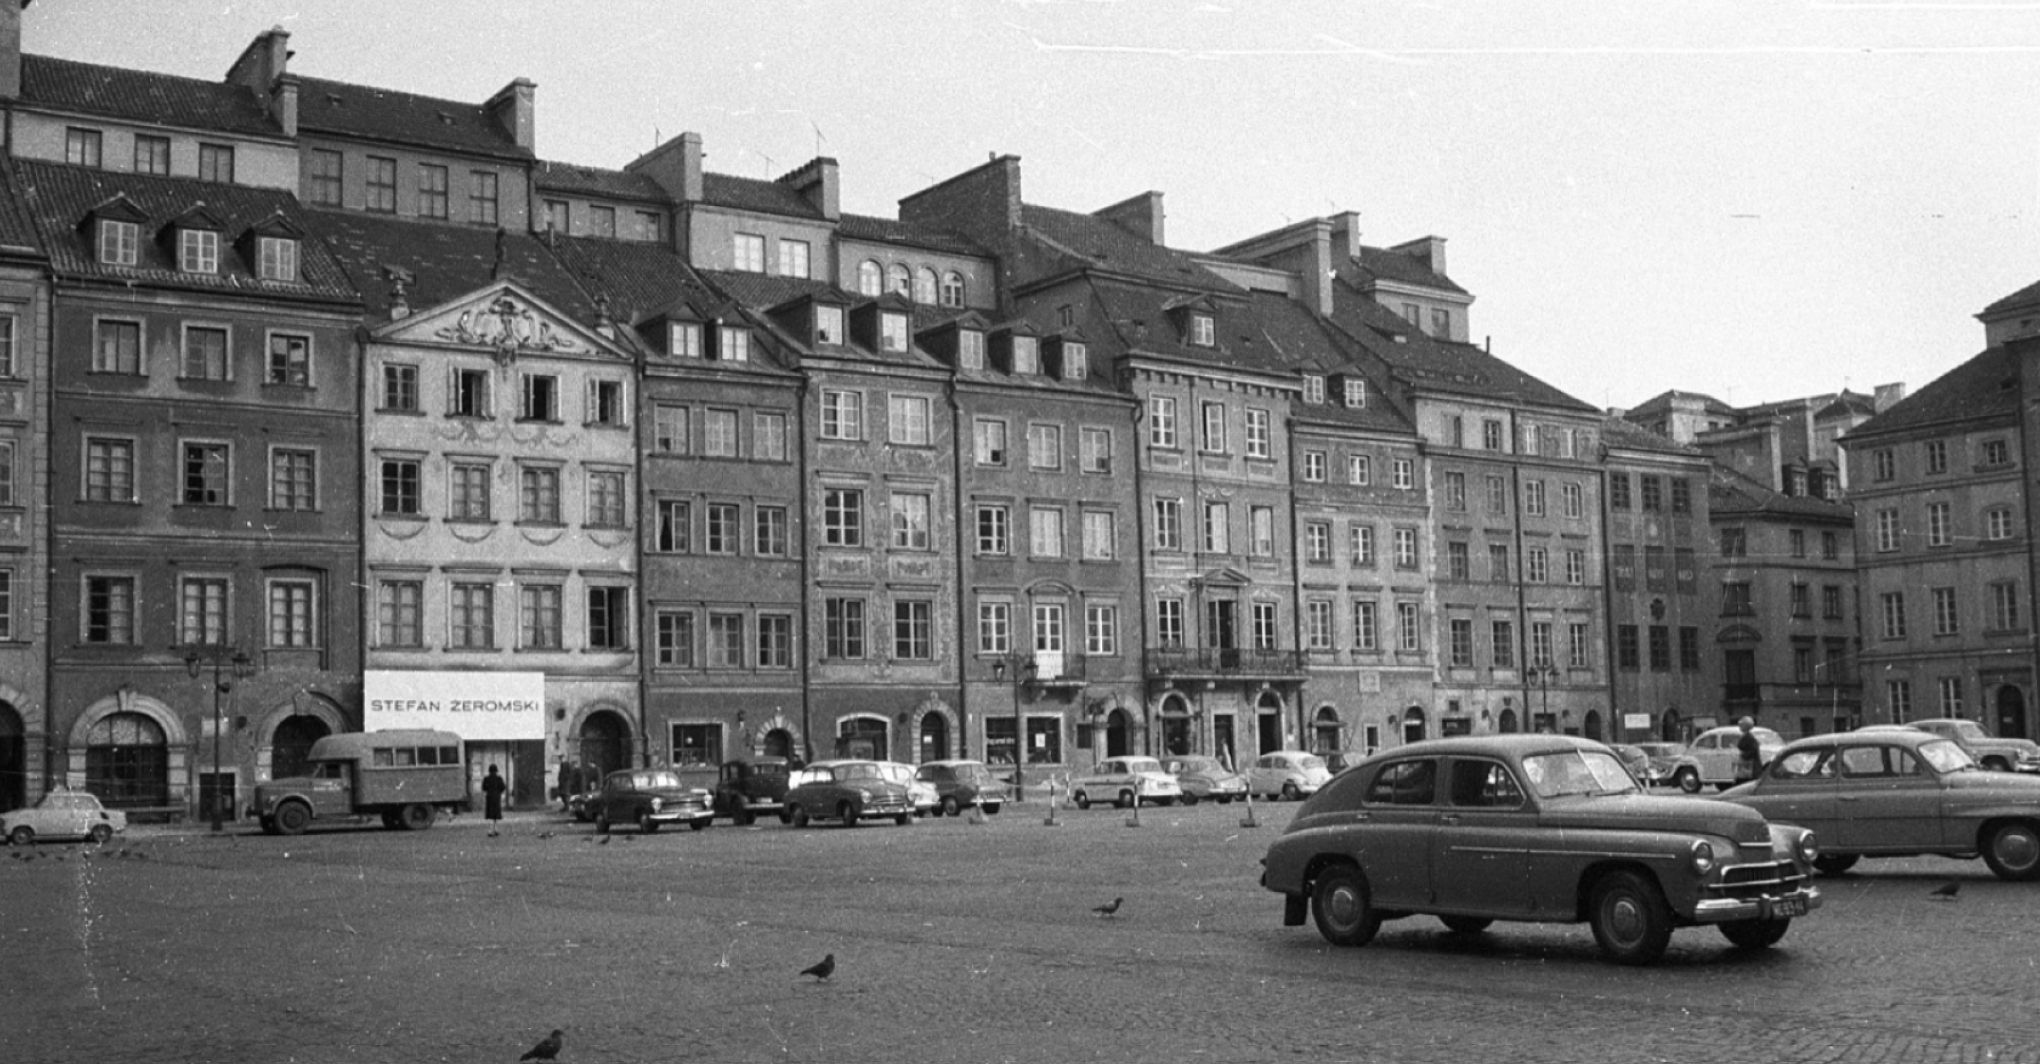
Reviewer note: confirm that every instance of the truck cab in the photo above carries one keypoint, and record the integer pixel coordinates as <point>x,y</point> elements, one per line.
<point>404,776</point>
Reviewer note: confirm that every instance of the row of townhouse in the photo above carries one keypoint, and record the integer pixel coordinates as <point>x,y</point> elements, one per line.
<point>330,407</point>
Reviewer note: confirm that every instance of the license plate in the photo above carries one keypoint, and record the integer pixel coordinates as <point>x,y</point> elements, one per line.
<point>1788,907</point>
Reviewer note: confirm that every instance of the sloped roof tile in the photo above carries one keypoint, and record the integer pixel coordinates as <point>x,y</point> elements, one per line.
<point>574,179</point>
<point>443,262</point>
<point>141,96</point>
<point>1983,388</point>
<point>369,113</point>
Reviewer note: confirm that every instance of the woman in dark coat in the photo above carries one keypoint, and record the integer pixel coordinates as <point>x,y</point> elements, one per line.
<point>492,798</point>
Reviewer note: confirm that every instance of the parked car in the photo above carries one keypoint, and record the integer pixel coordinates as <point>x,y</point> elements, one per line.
<point>581,806</point>
<point>1124,780</point>
<point>1635,759</point>
<point>1203,777</point>
<point>1996,754</point>
<point>753,787</point>
<point>846,790</point>
<point>962,784</point>
<point>650,798</point>
<point>1900,792</point>
<point>1665,760</point>
<point>1534,827</point>
<point>1287,774</point>
<point>1715,759</point>
<point>920,793</point>
<point>62,814</point>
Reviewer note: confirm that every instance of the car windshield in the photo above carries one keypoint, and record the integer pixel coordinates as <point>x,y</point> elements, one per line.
<point>1308,762</point>
<point>1946,756</point>
<point>1196,764</point>
<point>1969,729</point>
<point>649,780</point>
<point>1142,764</point>
<point>896,772</point>
<point>1577,772</point>
<point>859,771</point>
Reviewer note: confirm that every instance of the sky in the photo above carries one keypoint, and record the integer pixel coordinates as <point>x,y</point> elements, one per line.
<point>1753,199</point>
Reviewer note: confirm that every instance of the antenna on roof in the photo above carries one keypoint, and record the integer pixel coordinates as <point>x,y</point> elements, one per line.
<point>818,137</point>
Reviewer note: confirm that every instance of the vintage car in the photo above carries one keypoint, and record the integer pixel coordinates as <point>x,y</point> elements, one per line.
<point>1204,777</point>
<point>846,790</point>
<point>650,798</point>
<point>1124,781</point>
<point>921,793</point>
<point>960,785</point>
<point>1287,774</point>
<point>1534,827</point>
<point>62,814</point>
<point>1665,760</point>
<point>1635,759</point>
<point>1990,751</point>
<point>1712,757</point>
<point>1899,792</point>
<point>751,788</point>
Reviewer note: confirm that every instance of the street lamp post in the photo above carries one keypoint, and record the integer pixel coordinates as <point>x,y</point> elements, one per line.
<point>1019,727</point>
<point>224,659</point>
<point>1545,675</point>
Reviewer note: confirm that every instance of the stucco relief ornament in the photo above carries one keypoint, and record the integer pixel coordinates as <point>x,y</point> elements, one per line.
<point>507,326</point>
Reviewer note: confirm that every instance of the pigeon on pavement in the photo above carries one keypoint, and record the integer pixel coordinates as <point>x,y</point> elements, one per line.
<point>1947,891</point>
<point>548,1048</point>
<point>823,969</point>
<point>1109,910</point>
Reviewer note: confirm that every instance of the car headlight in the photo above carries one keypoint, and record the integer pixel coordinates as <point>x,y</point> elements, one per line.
<point>656,803</point>
<point>1702,856</point>
<point>1808,850</point>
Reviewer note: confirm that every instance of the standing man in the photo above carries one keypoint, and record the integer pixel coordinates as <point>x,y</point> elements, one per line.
<point>492,799</point>
<point>1752,752</point>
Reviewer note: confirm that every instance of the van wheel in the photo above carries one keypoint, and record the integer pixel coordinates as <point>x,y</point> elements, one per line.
<point>292,818</point>
<point>417,816</point>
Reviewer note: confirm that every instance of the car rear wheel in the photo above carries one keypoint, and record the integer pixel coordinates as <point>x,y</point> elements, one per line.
<point>645,824</point>
<point>1126,800</point>
<point>292,818</point>
<point>1688,781</point>
<point>1189,799</point>
<point>1631,921</point>
<point>22,836</point>
<point>1290,793</point>
<point>949,807</point>
<point>1466,925</point>
<point>2012,851</point>
<point>846,813</point>
<point>797,816</point>
<point>1835,864</point>
<point>1083,800</point>
<point>1343,906</point>
<point>1755,934</point>
<point>101,833</point>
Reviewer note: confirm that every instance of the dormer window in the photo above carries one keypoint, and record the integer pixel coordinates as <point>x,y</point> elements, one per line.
<point>1203,332</point>
<point>892,331</point>
<point>683,339</point>
<point>1313,388</point>
<point>1356,394</point>
<point>733,344</point>
<point>1075,361</point>
<point>828,325</point>
<point>276,258</point>
<point>118,242</point>
<point>1026,356</point>
<point>198,250</point>
<point>970,349</point>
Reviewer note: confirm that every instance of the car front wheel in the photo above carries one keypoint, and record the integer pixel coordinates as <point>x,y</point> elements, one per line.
<point>101,834</point>
<point>1344,907</point>
<point>950,807</point>
<point>1835,864</point>
<point>797,816</point>
<point>1688,781</point>
<point>1755,934</point>
<point>1083,800</point>
<point>2013,851</point>
<point>22,836</point>
<point>1189,799</point>
<point>1631,921</point>
<point>645,824</point>
<point>292,818</point>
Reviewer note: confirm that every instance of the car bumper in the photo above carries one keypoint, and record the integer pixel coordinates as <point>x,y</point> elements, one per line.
<point>681,816</point>
<point>879,809</point>
<point>1782,905</point>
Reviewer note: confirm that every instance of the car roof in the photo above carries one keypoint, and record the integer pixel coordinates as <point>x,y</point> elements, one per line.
<point>1511,744</point>
<point>1900,735</point>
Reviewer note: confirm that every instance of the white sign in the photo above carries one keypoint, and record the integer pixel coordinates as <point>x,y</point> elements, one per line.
<point>473,705</point>
<point>1636,721</point>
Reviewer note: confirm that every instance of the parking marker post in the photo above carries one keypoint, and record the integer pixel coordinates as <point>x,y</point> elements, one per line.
<point>1250,822</point>
<point>1050,820</point>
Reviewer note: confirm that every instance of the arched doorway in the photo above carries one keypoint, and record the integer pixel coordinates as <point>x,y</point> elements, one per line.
<point>1669,726</point>
<point>934,736</point>
<point>13,759</point>
<point>779,743</point>
<point>1175,727</point>
<point>1593,724</point>
<point>1413,725</point>
<point>1268,724</point>
<point>605,744</point>
<point>1509,723</point>
<point>127,761</point>
<point>1118,733</point>
<point>1325,731</point>
<point>2011,712</point>
<point>292,744</point>
<point>865,737</point>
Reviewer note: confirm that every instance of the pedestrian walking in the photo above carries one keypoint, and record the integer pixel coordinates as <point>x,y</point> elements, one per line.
<point>570,785</point>
<point>1750,750</point>
<point>492,798</point>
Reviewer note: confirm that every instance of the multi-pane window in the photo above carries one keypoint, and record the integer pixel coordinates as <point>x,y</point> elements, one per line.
<point>1094,449</point>
<point>1405,548</point>
<point>1939,533</point>
<point>1883,464</point>
<point>198,250</point>
<point>674,631</point>
<point>1363,546</point>
<point>1575,567</point>
<point>1403,474</point>
<point>1168,524</point>
<point>290,359</point>
<point>1161,421</point>
<point>970,348</point>
<point>216,163</point>
<point>1660,648</point>
<point>1503,645</point>
<point>2004,607</point>
<point>1458,560</point>
<point>1898,696</point>
<point>1044,446</point>
<point>1734,542</point>
<point>605,402</point>
<point>539,494</point>
<point>1211,436</point>
<point>1736,600</point>
<point>558,216</point>
<point>1571,499</point>
<point>482,198</point>
<point>843,517</point>
<point>9,475</point>
<point>1628,651</point>
<point>842,414</point>
<point>606,498</point>
<point>1618,491</point>
<point>1313,388</point>
<point>1366,626</point>
<point>1579,645</point>
<point>952,289</point>
<point>398,479</point>
<point>719,433</point>
<point>1455,491</point>
<point>540,400</point>
<point>1169,623</point>
<point>1459,643</point>
<point>721,528</point>
<point>1801,599</point>
<point>1263,621</point>
<point>431,190</point>
<point>471,615</point>
<point>468,486</point>
<point>399,388</point>
<point>1314,467</point>
<point>1409,634</point>
<point>202,610</point>
<point>793,258</point>
<point>669,429</point>
<point>747,252</point>
<point>109,617</point>
<point>117,347</point>
<point>1202,331</point>
<point>994,532</point>
<point>676,526</point>
<point>1831,602</point>
<point>732,343</point>
<point>775,641</point>
<point>892,331</point>
<point>119,242</point>
<point>1045,532</point>
<point>1536,565</point>
<point>911,521</point>
<point>988,442</point>
<point>1258,433</point>
<point>1653,493</point>
<point>400,613</point>
<point>1101,629</point>
<point>1885,529</point>
<point>1359,470</point>
<point>109,469</point>
<point>769,531</point>
<point>539,616</point>
<point>381,185</point>
<point>206,469</point>
<point>1995,453</point>
<point>1498,562</point>
<point>1795,542</point>
<point>1533,498</point>
<point>602,221</point>
<point>828,324</point>
<point>326,169</point>
<point>1497,495</point>
<point>1317,625</point>
<point>1540,644</point>
<point>1026,356</point>
<point>1491,434</point>
<point>913,630</point>
<point>683,339</point>
<point>1100,535</point>
<point>1682,495</point>
<point>1951,696</point>
<point>1946,618</point>
<point>276,258</point>
<point>924,285</point>
<point>608,617</point>
<point>1217,528</point>
<point>1317,542</point>
<point>205,353</point>
<point>768,438</point>
<point>82,147</point>
<point>1891,608</point>
<point>1261,531</point>
<point>1689,648</point>
<point>293,478</point>
<point>995,627</point>
<point>1997,523</point>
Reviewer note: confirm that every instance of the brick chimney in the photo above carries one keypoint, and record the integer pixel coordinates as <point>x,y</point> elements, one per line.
<point>983,203</point>
<point>515,109</point>
<point>1140,215</point>
<point>264,69</point>
<point>676,166</point>
<point>817,183</point>
<point>10,49</point>
<point>1431,249</point>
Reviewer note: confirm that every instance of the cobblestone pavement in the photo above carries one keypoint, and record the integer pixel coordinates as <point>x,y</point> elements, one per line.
<point>954,941</point>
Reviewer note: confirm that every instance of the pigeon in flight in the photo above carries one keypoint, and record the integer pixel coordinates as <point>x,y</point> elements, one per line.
<point>548,1048</point>
<point>1108,910</point>
<point>1947,891</point>
<point>823,969</point>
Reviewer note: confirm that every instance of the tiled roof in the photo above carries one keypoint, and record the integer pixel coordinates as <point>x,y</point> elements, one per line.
<point>140,96</point>
<point>589,181</point>
<point>2024,297</point>
<point>1618,432</point>
<point>749,194</point>
<point>889,231</point>
<point>637,278</point>
<point>17,231</point>
<point>444,262</point>
<point>1421,361</point>
<point>758,292</point>
<point>369,113</point>
<point>1066,240</point>
<point>1985,387</point>
<point>1663,402</point>
<point>1730,493</point>
<point>58,198</point>
<point>1385,264</point>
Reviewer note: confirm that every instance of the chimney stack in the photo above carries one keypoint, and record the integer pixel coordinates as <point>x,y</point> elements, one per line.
<point>10,49</point>
<point>264,69</point>
<point>983,203</point>
<point>675,166</point>
<point>1141,216</point>
<point>817,183</point>
<point>514,108</point>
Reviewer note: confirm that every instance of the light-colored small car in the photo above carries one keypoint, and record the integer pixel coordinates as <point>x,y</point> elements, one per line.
<point>63,814</point>
<point>925,798</point>
<point>1665,761</point>
<point>1123,780</point>
<point>1288,774</point>
<point>1715,758</point>
<point>1990,751</point>
<point>1203,777</point>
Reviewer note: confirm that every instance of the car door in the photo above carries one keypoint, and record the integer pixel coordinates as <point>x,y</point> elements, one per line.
<point>1398,818</point>
<point>1888,801</point>
<point>1801,788</point>
<point>1715,758</point>
<point>1481,849</point>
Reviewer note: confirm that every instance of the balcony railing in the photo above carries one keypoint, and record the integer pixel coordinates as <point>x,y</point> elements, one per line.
<point>1226,663</point>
